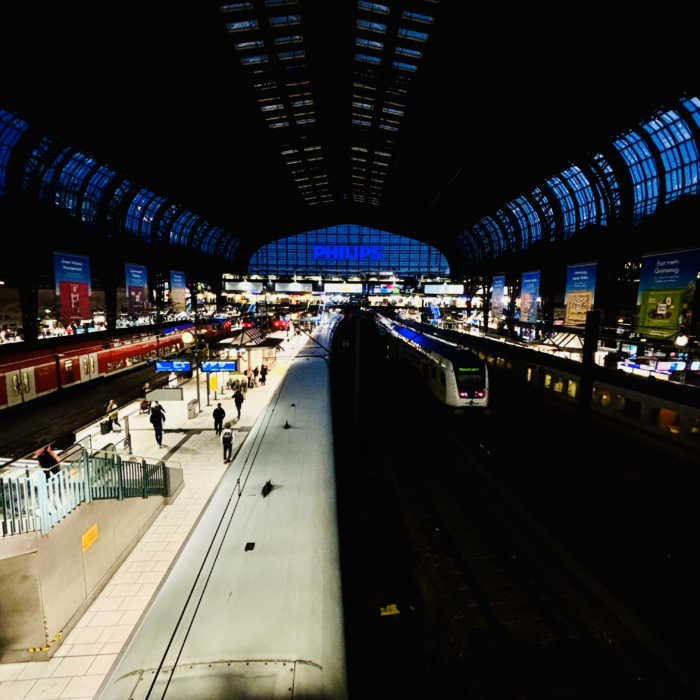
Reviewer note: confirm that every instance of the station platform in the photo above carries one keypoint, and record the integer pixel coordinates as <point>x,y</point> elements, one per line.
<point>87,654</point>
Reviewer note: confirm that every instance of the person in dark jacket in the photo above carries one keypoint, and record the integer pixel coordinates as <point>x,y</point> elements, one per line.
<point>227,442</point>
<point>263,375</point>
<point>219,414</point>
<point>238,399</point>
<point>157,420</point>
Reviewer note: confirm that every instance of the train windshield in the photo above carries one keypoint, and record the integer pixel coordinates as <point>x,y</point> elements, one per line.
<point>470,379</point>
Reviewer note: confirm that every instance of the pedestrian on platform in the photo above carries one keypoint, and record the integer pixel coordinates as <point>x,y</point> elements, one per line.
<point>219,414</point>
<point>113,415</point>
<point>263,375</point>
<point>227,442</point>
<point>157,420</point>
<point>244,387</point>
<point>256,372</point>
<point>238,399</point>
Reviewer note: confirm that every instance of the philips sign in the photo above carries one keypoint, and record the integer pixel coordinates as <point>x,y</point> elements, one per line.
<point>347,252</point>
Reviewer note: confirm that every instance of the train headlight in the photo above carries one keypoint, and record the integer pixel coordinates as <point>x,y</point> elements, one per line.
<point>187,338</point>
<point>682,340</point>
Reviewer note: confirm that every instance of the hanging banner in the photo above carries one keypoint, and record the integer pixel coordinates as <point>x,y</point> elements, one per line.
<point>177,291</point>
<point>72,273</point>
<point>579,296</point>
<point>529,292</point>
<point>136,290</point>
<point>666,289</point>
<point>499,284</point>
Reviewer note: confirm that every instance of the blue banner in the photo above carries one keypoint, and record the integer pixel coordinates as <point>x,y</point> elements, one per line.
<point>499,284</point>
<point>666,290</point>
<point>174,366</point>
<point>136,289</point>
<point>580,292</point>
<point>529,292</point>
<point>228,366</point>
<point>73,287</point>
<point>177,291</point>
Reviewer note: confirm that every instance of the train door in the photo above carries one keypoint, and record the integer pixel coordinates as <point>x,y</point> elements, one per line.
<point>88,366</point>
<point>20,386</point>
<point>71,370</point>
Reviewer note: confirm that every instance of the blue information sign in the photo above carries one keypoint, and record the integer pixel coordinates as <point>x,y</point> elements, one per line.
<point>175,366</point>
<point>229,366</point>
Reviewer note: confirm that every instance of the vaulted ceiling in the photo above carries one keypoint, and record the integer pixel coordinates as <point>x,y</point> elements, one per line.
<point>438,133</point>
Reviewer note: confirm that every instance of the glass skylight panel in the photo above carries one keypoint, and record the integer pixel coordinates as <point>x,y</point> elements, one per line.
<point>361,122</point>
<point>424,19</point>
<point>300,179</point>
<point>271,3</point>
<point>301,103</point>
<point>293,162</point>
<point>285,20</point>
<point>368,43</point>
<point>312,148</point>
<point>389,110</point>
<point>367,59</point>
<point>386,155</point>
<point>388,127</point>
<point>376,162</point>
<point>248,60</point>
<point>270,108</point>
<point>286,55</point>
<point>249,45</point>
<point>264,86</point>
<point>642,168</point>
<point>362,105</point>
<point>362,160</point>
<point>371,26</point>
<point>306,120</point>
<point>366,87</point>
<point>411,34</point>
<point>528,220</point>
<point>405,66</point>
<point>278,124</point>
<point>409,52</point>
<point>566,204</point>
<point>294,39</point>
<point>373,7</point>
<point>316,158</point>
<point>244,26</point>
<point>583,192</point>
<point>358,148</point>
<point>236,7</point>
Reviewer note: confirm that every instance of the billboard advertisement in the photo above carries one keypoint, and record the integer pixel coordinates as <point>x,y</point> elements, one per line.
<point>73,288</point>
<point>177,291</point>
<point>136,290</point>
<point>499,285</point>
<point>297,287</point>
<point>342,288</point>
<point>444,289</point>
<point>665,294</point>
<point>579,296</point>
<point>529,292</point>
<point>243,286</point>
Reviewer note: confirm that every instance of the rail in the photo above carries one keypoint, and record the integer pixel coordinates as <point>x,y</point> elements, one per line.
<point>37,500</point>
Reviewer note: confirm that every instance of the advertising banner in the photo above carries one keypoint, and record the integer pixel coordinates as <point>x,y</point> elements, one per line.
<point>297,287</point>
<point>580,292</point>
<point>73,288</point>
<point>666,289</point>
<point>529,291</point>
<point>177,291</point>
<point>342,288</point>
<point>243,286</point>
<point>444,289</point>
<point>136,290</point>
<point>499,285</point>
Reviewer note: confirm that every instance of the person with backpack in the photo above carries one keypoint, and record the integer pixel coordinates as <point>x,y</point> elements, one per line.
<point>219,414</point>
<point>113,415</point>
<point>263,375</point>
<point>157,420</point>
<point>238,399</point>
<point>227,442</point>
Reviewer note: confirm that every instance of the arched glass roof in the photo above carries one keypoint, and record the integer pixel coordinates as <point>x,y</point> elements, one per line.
<point>657,162</point>
<point>11,128</point>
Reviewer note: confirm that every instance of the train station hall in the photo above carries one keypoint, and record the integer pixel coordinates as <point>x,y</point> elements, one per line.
<point>348,350</point>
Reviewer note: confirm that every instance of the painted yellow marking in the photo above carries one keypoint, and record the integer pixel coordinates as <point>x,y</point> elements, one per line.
<point>90,537</point>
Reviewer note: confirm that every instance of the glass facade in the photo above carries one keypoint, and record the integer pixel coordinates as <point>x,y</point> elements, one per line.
<point>11,128</point>
<point>345,250</point>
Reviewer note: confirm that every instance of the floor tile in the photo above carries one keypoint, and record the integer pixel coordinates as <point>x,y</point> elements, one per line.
<point>73,666</point>
<point>39,669</point>
<point>15,690</point>
<point>101,665</point>
<point>118,633</point>
<point>84,649</point>
<point>82,687</point>
<point>9,672</point>
<point>47,689</point>
<point>106,604</point>
<point>102,619</point>
<point>84,635</point>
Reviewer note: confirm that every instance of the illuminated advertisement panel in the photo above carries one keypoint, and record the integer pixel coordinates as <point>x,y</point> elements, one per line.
<point>444,289</point>
<point>298,287</point>
<point>73,288</point>
<point>177,291</point>
<point>499,284</point>
<point>342,288</point>
<point>529,291</point>
<point>136,289</point>
<point>665,294</point>
<point>227,366</point>
<point>174,366</point>
<point>579,296</point>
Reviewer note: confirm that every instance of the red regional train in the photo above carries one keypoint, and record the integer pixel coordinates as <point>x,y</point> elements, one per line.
<point>27,375</point>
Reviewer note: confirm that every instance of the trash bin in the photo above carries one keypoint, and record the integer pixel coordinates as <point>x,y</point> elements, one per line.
<point>192,409</point>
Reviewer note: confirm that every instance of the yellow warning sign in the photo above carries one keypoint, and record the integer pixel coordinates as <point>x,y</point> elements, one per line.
<point>389,610</point>
<point>212,382</point>
<point>89,537</point>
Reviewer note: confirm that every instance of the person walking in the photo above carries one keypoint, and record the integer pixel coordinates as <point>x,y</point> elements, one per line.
<point>256,372</point>
<point>157,420</point>
<point>113,415</point>
<point>219,414</point>
<point>263,375</point>
<point>238,399</point>
<point>244,386</point>
<point>227,442</point>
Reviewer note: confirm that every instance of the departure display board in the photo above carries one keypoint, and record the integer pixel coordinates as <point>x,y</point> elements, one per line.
<point>228,366</point>
<point>175,366</point>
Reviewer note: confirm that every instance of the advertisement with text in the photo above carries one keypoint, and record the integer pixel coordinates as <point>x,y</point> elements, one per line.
<point>580,292</point>
<point>529,292</point>
<point>177,291</point>
<point>136,289</point>
<point>73,288</point>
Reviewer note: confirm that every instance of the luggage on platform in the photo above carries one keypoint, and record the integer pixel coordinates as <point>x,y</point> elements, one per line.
<point>105,427</point>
